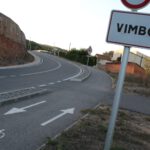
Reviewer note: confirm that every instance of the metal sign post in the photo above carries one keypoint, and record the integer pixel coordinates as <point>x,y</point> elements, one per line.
<point>133,6</point>
<point>129,28</point>
<point>116,102</point>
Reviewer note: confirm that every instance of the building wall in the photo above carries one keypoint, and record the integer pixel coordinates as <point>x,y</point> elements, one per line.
<point>135,57</point>
<point>102,62</point>
<point>12,40</point>
<point>132,69</point>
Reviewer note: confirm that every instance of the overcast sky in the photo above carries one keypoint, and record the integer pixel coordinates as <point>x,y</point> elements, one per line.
<point>61,22</point>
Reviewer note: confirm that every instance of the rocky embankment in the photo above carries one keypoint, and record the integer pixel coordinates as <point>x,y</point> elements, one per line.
<point>12,43</point>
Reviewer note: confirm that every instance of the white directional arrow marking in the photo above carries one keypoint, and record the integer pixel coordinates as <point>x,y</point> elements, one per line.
<point>19,110</point>
<point>64,112</point>
<point>2,134</point>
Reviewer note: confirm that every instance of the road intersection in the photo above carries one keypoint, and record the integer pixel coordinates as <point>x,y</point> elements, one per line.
<point>26,124</point>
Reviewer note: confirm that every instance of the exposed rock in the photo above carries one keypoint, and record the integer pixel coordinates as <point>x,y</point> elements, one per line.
<point>12,41</point>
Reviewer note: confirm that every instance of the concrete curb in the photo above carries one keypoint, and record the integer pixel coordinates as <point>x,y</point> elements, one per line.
<point>84,75</point>
<point>23,97</point>
<point>37,60</point>
<point>69,127</point>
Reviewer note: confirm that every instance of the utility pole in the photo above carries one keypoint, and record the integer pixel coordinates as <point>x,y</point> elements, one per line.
<point>69,46</point>
<point>29,45</point>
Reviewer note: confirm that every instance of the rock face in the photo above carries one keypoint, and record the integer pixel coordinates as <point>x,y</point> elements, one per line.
<point>12,41</point>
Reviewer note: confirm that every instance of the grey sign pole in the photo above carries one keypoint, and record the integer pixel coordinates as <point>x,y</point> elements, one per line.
<point>117,97</point>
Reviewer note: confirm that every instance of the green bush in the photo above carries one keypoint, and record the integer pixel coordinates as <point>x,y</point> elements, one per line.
<point>81,56</point>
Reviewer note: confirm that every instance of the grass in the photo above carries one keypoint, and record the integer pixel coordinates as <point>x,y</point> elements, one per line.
<point>132,132</point>
<point>147,118</point>
<point>134,84</point>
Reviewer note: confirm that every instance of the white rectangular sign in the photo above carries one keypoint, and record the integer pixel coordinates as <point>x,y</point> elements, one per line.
<point>129,29</point>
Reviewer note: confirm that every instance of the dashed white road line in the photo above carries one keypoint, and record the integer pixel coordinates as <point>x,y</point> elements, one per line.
<point>35,73</point>
<point>51,83</point>
<point>42,85</point>
<point>76,75</point>
<point>41,72</point>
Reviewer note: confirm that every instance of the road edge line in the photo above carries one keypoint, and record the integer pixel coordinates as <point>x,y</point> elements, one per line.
<point>69,127</point>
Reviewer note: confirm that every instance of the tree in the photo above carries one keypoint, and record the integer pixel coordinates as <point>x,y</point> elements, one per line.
<point>109,54</point>
<point>80,56</point>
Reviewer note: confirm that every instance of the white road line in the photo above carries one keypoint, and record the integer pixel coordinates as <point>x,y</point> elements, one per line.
<point>51,83</point>
<point>41,72</point>
<point>42,85</point>
<point>58,81</point>
<point>41,62</point>
<point>2,134</point>
<point>32,87</point>
<point>64,112</point>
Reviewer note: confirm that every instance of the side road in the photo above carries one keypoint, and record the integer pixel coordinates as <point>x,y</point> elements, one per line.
<point>135,95</point>
<point>133,102</point>
<point>87,128</point>
<point>12,96</point>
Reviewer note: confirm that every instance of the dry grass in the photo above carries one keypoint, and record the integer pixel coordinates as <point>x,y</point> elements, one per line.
<point>134,84</point>
<point>132,132</point>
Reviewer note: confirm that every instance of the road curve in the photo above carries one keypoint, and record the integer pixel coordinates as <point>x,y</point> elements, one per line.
<point>26,124</point>
<point>51,69</point>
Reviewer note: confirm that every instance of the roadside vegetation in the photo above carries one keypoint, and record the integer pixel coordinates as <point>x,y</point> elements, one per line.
<point>132,132</point>
<point>31,45</point>
<point>134,84</point>
<point>76,55</point>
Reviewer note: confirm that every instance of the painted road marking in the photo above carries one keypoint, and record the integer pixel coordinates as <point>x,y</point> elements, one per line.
<point>41,72</point>
<point>64,112</point>
<point>23,109</point>
<point>42,85</point>
<point>51,83</point>
<point>2,133</point>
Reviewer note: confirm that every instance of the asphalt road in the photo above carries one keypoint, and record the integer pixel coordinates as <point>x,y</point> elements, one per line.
<point>41,117</point>
<point>50,69</point>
